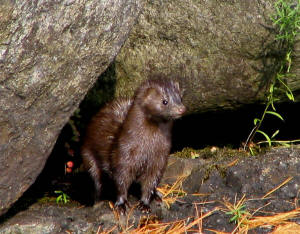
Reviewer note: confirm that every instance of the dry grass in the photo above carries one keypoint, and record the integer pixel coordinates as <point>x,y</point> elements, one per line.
<point>106,231</point>
<point>291,228</point>
<point>277,220</point>
<point>280,222</point>
<point>173,192</point>
<point>245,221</point>
<point>151,224</point>
<point>181,226</point>
<point>279,186</point>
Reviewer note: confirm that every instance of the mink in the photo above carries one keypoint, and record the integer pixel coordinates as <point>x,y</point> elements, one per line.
<point>130,140</point>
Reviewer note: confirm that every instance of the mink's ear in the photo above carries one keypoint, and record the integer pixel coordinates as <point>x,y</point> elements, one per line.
<point>149,95</point>
<point>181,90</point>
<point>176,84</point>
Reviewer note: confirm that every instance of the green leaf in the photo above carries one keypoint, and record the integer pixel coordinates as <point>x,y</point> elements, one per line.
<point>234,218</point>
<point>65,198</point>
<point>58,199</point>
<point>290,96</point>
<point>272,104</point>
<point>251,151</point>
<point>275,133</point>
<point>256,120</point>
<point>266,136</point>
<point>271,88</point>
<point>275,113</point>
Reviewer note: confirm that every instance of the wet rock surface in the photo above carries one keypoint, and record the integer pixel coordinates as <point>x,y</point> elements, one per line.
<point>209,183</point>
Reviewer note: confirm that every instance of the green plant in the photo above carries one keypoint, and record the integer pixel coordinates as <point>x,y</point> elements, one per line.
<point>237,213</point>
<point>287,24</point>
<point>237,210</point>
<point>287,19</point>
<point>62,197</point>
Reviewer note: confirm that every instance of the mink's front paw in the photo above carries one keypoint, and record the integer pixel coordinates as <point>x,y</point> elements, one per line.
<point>121,205</point>
<point>157,196</point>
<point>121,209</point>
<point>144,208</point>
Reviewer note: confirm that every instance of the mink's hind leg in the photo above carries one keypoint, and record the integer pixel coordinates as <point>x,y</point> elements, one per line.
<point>94,171</point>
<point>123,181</point>
<point>149,191</point>
<point>121,205</point>
<point>144,204</point>
<point>96,177</point>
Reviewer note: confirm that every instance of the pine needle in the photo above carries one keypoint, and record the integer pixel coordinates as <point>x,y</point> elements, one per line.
<point>279,186</point>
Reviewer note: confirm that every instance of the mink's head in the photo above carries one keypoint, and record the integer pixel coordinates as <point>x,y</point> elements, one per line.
<point>161,99</point>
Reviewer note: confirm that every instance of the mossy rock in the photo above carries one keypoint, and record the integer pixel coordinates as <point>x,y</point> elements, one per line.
<point>224,51</point>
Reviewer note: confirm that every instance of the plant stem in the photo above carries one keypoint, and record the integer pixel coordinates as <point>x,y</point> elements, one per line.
<point>281,142</point>
<point>256,127</point>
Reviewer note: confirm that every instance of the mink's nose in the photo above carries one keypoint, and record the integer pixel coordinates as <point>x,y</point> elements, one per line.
<point>181,110</point>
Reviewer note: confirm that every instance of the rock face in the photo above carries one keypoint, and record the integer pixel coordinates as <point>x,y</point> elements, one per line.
<point>225,51</point>
<point>51,53</point>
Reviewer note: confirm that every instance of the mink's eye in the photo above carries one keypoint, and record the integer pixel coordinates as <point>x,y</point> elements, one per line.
<point>165,102</point>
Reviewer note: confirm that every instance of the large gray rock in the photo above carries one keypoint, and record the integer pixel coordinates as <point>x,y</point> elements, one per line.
<point>51,53</point>
<point>224,50</point>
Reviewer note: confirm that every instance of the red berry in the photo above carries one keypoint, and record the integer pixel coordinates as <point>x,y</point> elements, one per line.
<point>70,164</point>
<point>68,170</point>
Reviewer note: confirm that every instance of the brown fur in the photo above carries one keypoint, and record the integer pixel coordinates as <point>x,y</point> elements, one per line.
<point>131,139</point>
